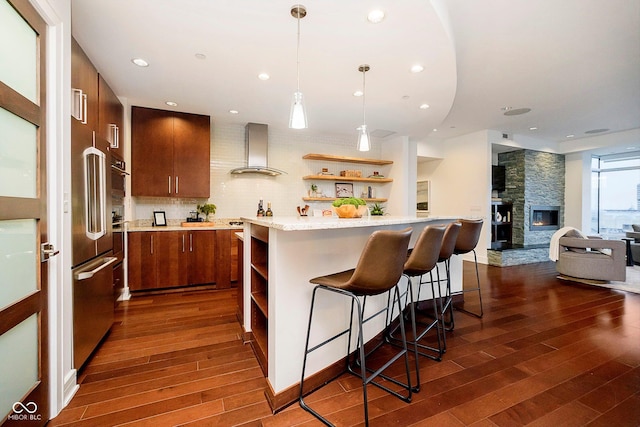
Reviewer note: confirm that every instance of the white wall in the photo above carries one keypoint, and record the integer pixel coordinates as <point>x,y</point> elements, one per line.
<point>577,195</point>
<point>461,182</point>
<point>402,191</point>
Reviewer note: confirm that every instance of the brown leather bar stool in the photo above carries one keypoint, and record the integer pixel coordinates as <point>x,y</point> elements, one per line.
<point>379,270</point>
<point>421,260</point>
<point>446,250</point>
<point>467,242</point>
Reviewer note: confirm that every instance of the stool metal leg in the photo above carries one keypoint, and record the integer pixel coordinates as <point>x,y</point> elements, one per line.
<point>433,352</point>
<point>481,313</point>
<point>361,357</point>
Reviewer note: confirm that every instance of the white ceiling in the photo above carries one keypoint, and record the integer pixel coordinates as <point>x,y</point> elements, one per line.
<point>575,63</point>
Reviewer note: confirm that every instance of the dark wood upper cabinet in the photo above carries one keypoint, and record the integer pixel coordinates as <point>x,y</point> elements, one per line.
<point>84,87</point>
<point>170,153</point>
<point>110,117</point>
<point>94,105</point>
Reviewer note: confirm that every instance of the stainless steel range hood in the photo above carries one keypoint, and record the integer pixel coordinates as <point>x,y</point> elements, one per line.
<point>256,150</point>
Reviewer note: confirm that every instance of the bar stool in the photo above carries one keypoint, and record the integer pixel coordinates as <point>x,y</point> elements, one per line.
<point>379,270</point>
<point>446,250</point>
<point>467,242</point>
<point>421,260</point>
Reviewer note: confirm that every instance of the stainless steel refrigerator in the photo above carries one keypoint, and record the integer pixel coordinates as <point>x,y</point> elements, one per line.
<point>92,241</point>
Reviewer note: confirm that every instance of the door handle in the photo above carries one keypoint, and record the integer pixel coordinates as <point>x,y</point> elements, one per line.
<point>47,250</point>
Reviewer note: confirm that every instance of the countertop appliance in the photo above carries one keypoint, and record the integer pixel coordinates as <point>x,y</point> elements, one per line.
<point>92,256</point>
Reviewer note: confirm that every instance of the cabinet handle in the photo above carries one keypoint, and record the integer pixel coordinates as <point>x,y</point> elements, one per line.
<point>176,184</point>
<point>169,184</point>
<point>190,242</point>
<point>84,109</point>
<point>114,135</point>
<point>152,244</point>
<point>183,243</point>
<point>76,104</point>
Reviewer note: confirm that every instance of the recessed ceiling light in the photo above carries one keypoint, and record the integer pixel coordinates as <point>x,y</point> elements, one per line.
<point>435,130</point>
<point>140,62</point>
<point>358,93</point>
<point>515,111</point>
<point>233,111</point>
<point>592,131</point>
<point>570,136</point>
<point>171,103</point>
<point>417,68</point>
<point>375,16</point>
<point>201,56</point>
<point>424,106</point>
<point>533,128</point>
<point>263,76</point>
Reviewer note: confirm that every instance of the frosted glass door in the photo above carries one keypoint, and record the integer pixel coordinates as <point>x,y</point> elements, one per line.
<point>23,274</point>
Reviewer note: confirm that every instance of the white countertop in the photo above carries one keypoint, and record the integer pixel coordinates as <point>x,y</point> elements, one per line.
<point>300,223</point>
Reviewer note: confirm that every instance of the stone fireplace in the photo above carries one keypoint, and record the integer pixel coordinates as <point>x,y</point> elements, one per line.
<point>533,179</point>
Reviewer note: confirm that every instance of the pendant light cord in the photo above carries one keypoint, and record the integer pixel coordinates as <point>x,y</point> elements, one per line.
<point>364,114</point>
<point>298,51</point>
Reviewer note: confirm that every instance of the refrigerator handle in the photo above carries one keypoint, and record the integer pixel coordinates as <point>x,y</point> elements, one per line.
<point>83,275</point>
<point>95,192</point>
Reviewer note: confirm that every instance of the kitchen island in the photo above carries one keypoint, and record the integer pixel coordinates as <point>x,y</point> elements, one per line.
<point>281,255</point>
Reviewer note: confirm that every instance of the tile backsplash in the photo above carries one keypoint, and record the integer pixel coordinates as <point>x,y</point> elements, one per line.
<point>238,195</point>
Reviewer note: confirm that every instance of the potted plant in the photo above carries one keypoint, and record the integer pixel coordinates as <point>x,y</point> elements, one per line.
<point>349,207</point>
<point>314,190</point>
<point>377,209</point>
<point>207,209</point>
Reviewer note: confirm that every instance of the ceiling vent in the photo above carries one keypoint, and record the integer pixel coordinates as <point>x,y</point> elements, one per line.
<point>256,149</point>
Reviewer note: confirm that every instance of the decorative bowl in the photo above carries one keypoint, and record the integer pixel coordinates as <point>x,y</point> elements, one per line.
<point>350,211</point>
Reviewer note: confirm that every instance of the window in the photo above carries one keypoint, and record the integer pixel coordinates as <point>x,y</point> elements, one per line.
<point>615,193</point>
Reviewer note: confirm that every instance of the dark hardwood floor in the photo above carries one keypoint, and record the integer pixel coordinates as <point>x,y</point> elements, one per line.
<point>546,353</point>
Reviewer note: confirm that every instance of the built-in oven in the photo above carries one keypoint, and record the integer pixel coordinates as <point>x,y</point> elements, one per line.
<point>118,186</point>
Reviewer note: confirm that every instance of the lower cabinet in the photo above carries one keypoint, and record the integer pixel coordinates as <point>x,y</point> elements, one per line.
<point>141,260</point>
<point>169,259</point>
<point>202,256</point>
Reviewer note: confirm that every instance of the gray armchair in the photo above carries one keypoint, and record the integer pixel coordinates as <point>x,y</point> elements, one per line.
<point>592,258</point>
<point>635,245</point>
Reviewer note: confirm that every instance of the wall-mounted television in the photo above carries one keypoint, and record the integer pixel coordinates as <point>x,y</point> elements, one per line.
<point>498,178</point>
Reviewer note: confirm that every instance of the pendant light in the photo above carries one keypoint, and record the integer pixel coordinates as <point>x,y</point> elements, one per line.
<point>364,143</point>
<point>298,115</point>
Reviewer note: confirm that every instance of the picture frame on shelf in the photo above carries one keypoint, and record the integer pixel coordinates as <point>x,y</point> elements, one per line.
<point>159,219</point>
<point>344,189</point>
<point>423,194</point>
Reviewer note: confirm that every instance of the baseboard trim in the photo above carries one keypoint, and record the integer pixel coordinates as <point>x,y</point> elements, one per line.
<point>70,387</point>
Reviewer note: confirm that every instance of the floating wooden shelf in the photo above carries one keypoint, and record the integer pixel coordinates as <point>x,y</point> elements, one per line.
<point>331,199</point>
<point>331,158</point>
<point>346,178</point>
